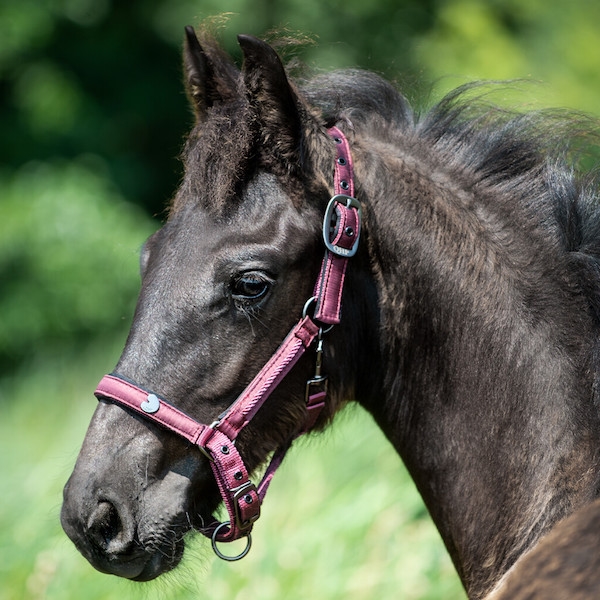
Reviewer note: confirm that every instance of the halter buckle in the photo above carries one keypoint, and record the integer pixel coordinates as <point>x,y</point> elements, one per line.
<point>237,494</point>
<point>201,443</point>
<point>347,202</point>
<point>316,389</point>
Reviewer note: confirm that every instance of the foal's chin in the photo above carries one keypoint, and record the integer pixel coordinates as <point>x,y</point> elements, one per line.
<point>150,564</point>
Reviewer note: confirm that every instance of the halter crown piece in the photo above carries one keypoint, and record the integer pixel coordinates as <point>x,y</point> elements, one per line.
<point>242,499</point>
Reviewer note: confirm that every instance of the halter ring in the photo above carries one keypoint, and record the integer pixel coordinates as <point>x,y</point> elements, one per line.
<point>305,313</point>
<point>224,556</point>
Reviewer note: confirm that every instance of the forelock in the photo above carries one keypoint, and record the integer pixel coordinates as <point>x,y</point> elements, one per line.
<point>218,158</point>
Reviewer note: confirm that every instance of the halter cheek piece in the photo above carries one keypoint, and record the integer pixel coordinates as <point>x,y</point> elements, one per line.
<point>242,499</point>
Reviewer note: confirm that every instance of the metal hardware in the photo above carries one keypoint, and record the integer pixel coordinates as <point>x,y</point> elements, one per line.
<point>319,357</point>
<point>319,382</point>
<point>151,404</point>
<point>224,556</point>
<point>240,492</point>
<point>206,453</point>
<point>307,305</point>
<point>204,449</point>
<point>305,313</point>
<point>348,202</point>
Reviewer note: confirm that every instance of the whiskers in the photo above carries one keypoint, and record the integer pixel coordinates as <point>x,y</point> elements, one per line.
<point>252,314</point>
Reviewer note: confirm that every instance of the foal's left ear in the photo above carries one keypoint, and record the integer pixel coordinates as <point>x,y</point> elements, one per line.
<point>210,77</point>
<point>278,107</point>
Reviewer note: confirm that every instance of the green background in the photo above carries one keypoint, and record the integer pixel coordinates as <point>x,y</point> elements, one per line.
<point>92,116</point>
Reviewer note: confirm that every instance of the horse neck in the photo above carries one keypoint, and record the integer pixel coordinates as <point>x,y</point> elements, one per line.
<point>488,386</point>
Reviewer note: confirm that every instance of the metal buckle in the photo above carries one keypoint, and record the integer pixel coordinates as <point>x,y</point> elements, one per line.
<point>204,449</point>
<point>313,386</point>
<point>316,389</point>
<point>238,493</point>
<point>348,202</point>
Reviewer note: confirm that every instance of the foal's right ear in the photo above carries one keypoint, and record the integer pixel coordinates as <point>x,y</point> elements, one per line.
<point>210,78</point>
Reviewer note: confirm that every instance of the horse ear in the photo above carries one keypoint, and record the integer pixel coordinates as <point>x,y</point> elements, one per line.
<point>209,77</point>
<point>271,95</point>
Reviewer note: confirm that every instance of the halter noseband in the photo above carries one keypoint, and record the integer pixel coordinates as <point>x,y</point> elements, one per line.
<point>242,499</point>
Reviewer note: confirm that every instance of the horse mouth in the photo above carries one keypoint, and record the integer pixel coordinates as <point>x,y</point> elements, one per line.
<point>152,557</point>
<point>142,568</point>
<point>115,542</point>
<point>159,552</point>
<point>138,560</point>
<point>158,563</point>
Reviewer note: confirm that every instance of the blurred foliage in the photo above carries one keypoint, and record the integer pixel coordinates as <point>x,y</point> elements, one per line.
<point>91,76</point>
<point>68,242</point>
<point>92,115</point>
<point>551,42</point>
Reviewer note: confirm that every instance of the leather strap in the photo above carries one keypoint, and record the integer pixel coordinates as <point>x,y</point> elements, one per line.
<point>240,413</point>
<point>341,233</point>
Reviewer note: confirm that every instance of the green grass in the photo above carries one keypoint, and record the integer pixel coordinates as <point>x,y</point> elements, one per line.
<point>342,518</point>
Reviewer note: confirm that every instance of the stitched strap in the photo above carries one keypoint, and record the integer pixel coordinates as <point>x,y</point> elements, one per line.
<point>239,494</point>
<point>119,389</point>
<point>341,232</point>
<point>252,398</point>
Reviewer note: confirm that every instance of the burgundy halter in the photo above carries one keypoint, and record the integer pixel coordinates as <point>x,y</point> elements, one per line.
<point>242,499</point>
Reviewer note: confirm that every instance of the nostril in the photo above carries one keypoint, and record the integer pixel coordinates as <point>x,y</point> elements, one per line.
<point>107,530</point>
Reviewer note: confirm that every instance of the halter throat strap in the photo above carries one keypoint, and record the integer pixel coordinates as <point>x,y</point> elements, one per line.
<point>242,499</point>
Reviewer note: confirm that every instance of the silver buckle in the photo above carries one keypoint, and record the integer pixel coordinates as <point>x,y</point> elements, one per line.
<point>204,449</point>
<point>348,202</point>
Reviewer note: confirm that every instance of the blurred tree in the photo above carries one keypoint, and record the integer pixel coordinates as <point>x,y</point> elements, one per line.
<point>91,76</point>
<point>101,77</point>
<point>547,41</point>
<point>69,248</point>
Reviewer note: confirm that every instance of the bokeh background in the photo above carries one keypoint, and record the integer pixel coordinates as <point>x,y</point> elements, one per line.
<point>92,116</point>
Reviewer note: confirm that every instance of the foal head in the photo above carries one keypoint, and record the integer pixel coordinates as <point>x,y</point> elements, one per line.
<point>222,283</point>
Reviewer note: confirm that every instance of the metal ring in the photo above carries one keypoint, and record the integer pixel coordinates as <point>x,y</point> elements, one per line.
<point>224,556</point>
<point>305,312</point>
<point>306,306</point>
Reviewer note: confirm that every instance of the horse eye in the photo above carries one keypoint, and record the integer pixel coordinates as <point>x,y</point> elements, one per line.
<point>251,286</point>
